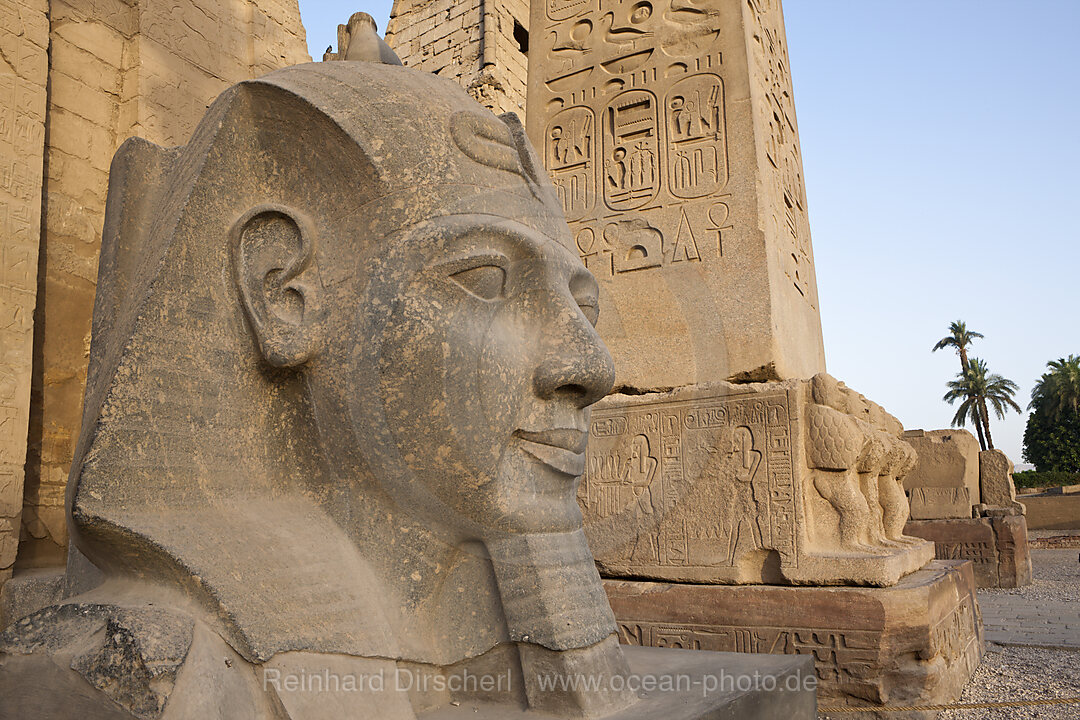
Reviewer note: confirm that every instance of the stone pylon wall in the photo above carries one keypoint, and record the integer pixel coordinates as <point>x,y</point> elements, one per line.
<point>115,70</point>
<point>24,42</point>
<point>474,42</point>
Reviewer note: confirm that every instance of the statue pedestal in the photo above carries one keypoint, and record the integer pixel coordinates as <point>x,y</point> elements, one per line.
<point>996,546</point>
<point>914,643</point>
<point>681,685</point>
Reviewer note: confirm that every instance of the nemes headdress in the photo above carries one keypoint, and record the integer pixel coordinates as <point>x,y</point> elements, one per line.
<point>169,458</point>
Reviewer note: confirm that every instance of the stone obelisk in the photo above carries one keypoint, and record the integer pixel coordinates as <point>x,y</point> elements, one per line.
<point>669,131</point>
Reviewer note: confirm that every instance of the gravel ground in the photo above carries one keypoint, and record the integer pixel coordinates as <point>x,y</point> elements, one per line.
<point>1033,534</point>
<point>1018,673</point>
<point>1015,673</point>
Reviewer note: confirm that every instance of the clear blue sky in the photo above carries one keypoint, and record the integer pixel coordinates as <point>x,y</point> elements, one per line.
<point>941,164</point>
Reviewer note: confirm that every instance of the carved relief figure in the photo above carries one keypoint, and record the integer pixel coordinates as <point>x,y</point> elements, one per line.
<point>621,477</point>
<point>748,506</point>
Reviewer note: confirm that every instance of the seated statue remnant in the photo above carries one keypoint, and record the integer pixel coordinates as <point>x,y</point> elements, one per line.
<point>337,408</point>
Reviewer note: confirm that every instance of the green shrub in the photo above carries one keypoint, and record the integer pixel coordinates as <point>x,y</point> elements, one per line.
<point>1053,443</point>
<point>1036,479</point>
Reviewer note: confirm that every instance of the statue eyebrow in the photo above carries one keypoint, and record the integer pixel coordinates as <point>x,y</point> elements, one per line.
<point>523,236</point>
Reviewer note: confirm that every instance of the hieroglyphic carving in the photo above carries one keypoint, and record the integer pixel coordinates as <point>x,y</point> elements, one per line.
<point>725,483</point>
<point>671,210</point>
<point>631,150</point>
<point>781,483</point>
<point>956,636</point>
<point>570,160</point>
<point>655,149</point>
<point>840,656</point>
<point>696,139</point>
<point>23,41</point>
<point>563,9</point>
<point>775,114</point>
<point>978,552</point>
<point>731,456</point>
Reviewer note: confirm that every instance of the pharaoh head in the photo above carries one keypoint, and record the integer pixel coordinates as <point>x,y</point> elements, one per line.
<point>347,314</point>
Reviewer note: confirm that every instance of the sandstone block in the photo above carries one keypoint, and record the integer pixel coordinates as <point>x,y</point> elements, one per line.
<point>915,643</point>
<point>24,65</point>
<point>947,458</point>
<point>997,547</point>
<point>774,482</point>
<point>933,503</point>
<point>96,38</point>
<point>996,481</point>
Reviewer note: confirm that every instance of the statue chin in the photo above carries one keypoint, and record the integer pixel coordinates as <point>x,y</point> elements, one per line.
<point>335,417</point>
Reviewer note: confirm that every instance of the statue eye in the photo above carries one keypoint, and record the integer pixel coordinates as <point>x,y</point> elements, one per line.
<point>486,282</point>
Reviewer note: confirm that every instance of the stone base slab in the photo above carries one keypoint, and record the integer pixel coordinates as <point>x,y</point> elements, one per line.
<point>914,643</point>
<point>814,568</point>
<point>707,686</point>
<point>996,546</point>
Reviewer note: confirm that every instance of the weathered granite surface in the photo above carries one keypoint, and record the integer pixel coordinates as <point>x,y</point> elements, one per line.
<point>28,592</point>
<point>337,404</point>
<point>669,131</point>
<point>795,482</point>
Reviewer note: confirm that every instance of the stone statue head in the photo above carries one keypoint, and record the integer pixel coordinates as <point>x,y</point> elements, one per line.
<point>342,363</point>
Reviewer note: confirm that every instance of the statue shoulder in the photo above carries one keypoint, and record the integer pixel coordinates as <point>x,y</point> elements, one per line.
<point>103,662</point>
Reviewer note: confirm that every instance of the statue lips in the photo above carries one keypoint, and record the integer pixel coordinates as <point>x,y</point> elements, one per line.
<point>562,449</point>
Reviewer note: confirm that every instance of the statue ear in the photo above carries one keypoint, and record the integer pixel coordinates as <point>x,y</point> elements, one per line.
<point>273,262</point>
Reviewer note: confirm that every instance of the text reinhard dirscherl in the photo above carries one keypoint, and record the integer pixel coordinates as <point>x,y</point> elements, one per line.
<point>406,680</point>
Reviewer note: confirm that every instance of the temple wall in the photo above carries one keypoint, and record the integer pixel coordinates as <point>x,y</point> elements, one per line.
<point>24,43</point>
<point>477,43</point>
<point>115,70</point>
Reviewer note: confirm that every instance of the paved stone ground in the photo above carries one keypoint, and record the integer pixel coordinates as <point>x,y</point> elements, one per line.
<point>1044,614</point>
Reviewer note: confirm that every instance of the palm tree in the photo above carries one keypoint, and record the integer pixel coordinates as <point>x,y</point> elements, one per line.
<point>1058,391</point>
<point>960,337</point>
<point>976,387</point>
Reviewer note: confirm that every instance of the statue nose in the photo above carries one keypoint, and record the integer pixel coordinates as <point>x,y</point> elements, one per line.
<point>575,362</point>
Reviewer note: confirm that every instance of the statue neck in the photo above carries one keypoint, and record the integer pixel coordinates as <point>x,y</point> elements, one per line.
<point>452,600</point>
